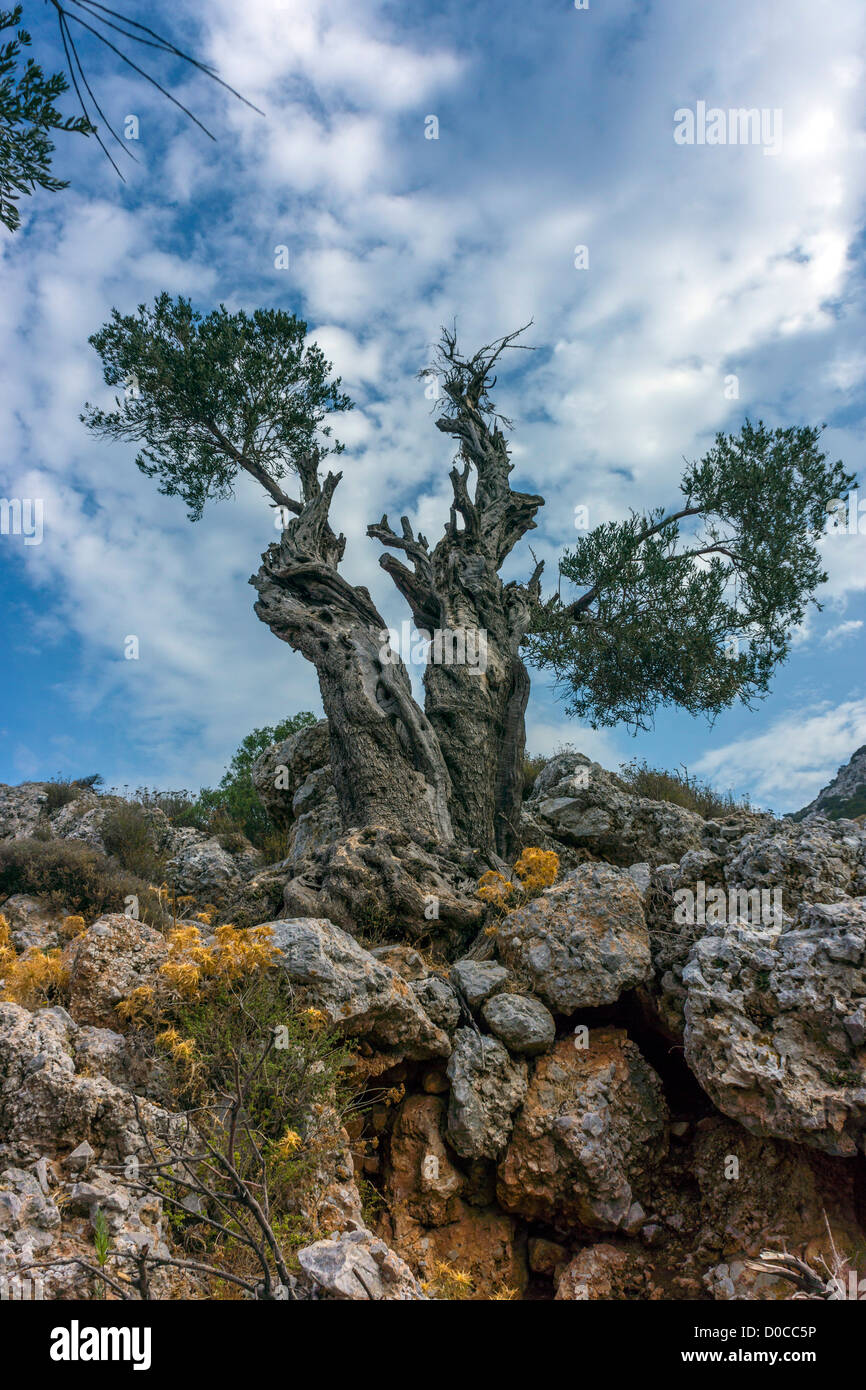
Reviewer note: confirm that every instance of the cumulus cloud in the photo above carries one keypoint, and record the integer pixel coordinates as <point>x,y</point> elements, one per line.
<point>785,765</point>
<point>704,264</point>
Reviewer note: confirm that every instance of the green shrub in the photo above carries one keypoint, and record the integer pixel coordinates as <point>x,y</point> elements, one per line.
<point>128,834</point>
<point>680,788</point>
<point>73,877</point>
<point>531,768</point>
<point>61,790</point>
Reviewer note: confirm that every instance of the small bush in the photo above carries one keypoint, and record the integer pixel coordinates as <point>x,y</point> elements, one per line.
<point>61,790</point>
<point>129,836</point>
<point>531,768</point>
<point>69,874</point>
<point>681,789</point>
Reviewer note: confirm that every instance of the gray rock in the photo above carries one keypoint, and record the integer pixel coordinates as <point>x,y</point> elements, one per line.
<point>486,1089</point>
<point>592,1129</point>
<point>355,990</point>
<point>521,1022</point>
<point>478,979</point>
<point>357,1265</point>
<point>774,1021</point>
<point>32,922</point>
<point>576,801</point>
<point>438,1001</point>
<point>582,942</point>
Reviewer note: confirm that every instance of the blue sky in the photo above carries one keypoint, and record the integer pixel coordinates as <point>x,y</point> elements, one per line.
<point>555,130</point>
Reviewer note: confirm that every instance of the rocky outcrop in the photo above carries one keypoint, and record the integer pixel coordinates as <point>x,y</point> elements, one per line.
<point>354,989</point>
<point>776,1025</point>
<point>582,942</point>
<point>816,861</point>
<point>591,1130</point>
<point>579,803</point>
<point>845,796</point>
<point>21,808</point>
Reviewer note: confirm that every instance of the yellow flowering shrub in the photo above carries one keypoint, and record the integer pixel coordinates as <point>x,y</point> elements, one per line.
<point>31,978</point>
<point>537,869</point>
<point>495,889</point>
<point>73,926</point>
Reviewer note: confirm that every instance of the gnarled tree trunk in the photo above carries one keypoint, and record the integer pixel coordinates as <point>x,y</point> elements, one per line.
<point>388,767</point>
<point>476,706</point>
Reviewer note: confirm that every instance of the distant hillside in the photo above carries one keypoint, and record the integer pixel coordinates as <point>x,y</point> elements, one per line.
<point>845,796</point>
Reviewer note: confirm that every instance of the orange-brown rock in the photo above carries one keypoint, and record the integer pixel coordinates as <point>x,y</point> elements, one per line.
<point>593,1124</point>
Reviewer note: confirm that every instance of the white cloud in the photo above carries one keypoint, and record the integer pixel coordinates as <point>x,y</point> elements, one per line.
<point>702,263</point>
<point>840,631</point>
<point>786,765</point>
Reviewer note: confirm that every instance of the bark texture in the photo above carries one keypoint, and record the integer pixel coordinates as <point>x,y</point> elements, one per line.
<point>387,764</point>
<point>476,708</point>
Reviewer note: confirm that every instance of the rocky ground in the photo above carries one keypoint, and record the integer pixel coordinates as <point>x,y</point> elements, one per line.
<point>588,1096</point>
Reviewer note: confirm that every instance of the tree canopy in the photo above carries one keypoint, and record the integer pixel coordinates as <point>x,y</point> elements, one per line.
<point>28,118</point>
<point>213,395</point>
<point>27,112</point>
<point>696,606</point>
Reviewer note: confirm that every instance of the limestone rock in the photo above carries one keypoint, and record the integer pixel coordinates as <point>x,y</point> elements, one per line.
<point>486,1089</point>
<point>478,979</point>
<point>582,942</point>
<point>576,801</point>
<point>107,962</point>
<point>521,1022</point>
<point>776,1025</point>
<point>33,923</point>
<point>358,1265</point>
<point>354,989</point>
<point>22,808</point>
<point>592,1126</point>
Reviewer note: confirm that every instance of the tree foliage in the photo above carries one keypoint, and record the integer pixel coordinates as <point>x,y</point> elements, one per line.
<point>213,395</point>
<point>695,607</point>
<point>28,118</point>
<point>236,798</point>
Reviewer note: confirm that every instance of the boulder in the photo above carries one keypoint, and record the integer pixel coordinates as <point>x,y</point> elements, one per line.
<point>592,1127</point>
<point>107,962</point>
<point>776,1025</point>
<point>476,980</point>
<point>358,1265</point>
<point>579,803</point>
<point>582,942</point>
<point>355,990</point>
<point>486,1089</point>
<point>522,1023</point>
